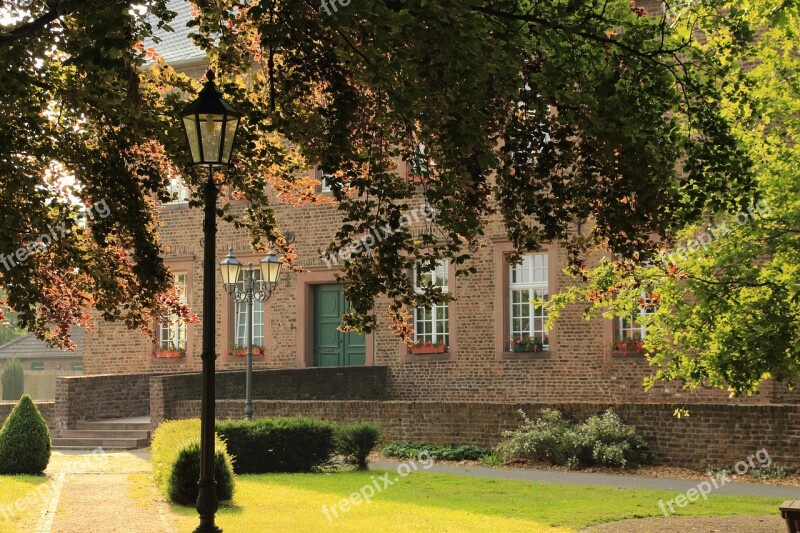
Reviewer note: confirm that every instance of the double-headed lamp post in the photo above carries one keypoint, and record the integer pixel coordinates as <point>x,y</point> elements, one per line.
<point>210,124</point>
<point>230,267</point>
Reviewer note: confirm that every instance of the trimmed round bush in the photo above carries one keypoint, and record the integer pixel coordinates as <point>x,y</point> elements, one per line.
<point>182,484</point>
<point>175,454</point>
<point>356,441</point>
<point>24,440</point>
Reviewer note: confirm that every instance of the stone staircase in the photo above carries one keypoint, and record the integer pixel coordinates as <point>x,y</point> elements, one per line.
<point>116,434</point>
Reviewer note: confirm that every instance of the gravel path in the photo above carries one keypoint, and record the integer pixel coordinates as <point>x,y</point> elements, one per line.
<point>699,524</point>
<point>97,496</point>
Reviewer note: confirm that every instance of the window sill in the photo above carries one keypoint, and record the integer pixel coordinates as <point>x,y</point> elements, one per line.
<point>243,357</point>
<point>167,360</point>
<point>628,354</point>
<point>526,356</point>
<point>175,206</point>
<point>442,357</point>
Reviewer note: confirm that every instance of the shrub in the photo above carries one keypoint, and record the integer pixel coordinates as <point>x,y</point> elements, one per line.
<point>493,460</point>
<point>600,440</point>
<point>13,380</point>
<point>412,450</point>
<point>24,440</point>
<point>356,441</point>
<point>175,454</point>
<point>297,444</point>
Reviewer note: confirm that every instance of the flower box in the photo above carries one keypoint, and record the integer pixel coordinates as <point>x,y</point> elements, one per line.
<point>526,348</point>
<point>242,352</point>
<point>630,346</point>
<point>169,354</point>
<point>428,348</point>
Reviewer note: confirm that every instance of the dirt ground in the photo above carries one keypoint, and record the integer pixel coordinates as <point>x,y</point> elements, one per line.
<point>698,524</point>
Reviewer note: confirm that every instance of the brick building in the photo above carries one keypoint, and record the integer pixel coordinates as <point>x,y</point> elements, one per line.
<point>41,363</point>
<point>297,327</point>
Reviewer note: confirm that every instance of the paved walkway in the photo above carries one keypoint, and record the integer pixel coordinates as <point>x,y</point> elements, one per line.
<point>94,494</point>
<point>733,488</point>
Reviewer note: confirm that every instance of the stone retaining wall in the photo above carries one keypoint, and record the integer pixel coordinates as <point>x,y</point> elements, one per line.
<point>713,435</point>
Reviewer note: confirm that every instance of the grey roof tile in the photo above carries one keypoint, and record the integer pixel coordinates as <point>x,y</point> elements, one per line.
<point>29,347</point>
<point>176,46</point>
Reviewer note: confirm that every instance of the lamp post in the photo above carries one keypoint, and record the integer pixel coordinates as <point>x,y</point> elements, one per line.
<point>210,124</point>
<point>270,274</point>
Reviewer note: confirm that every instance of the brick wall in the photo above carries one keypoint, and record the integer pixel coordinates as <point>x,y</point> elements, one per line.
<point>579,368</point>
<point>713,435</point>
<point>99,397</point>
<point>46,408</point>
<point>355,383</point>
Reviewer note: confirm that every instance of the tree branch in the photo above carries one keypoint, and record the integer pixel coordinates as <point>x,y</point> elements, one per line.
<point>34,25</point>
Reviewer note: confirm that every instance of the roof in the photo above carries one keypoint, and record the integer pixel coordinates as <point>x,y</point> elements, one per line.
<point>29,347</point>
<point>176,46</point>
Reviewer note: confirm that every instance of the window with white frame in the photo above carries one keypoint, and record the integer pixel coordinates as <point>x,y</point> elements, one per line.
<point>172,333</point>
<point>241,313</point>
<point>631,327</point>
<point>323,180</point>
<point>527,281</point>
<point>432,324</point>
<point>178,191</point>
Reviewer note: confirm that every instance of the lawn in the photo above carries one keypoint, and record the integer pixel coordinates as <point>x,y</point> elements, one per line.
<point>427,502</point>
<point>20,502</point>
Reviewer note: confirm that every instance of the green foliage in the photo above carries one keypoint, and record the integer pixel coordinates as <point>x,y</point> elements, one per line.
<point>13,379</point>
<point>413,450</point>
<point>175,454</point>
<point>768,472</point>
<point>356,441</point>
<point>297,444</point>
<point>493,460</point>
<point>574,110</point>
<point>728,299</point>
<point>600,440</point>
<point>24,440</point>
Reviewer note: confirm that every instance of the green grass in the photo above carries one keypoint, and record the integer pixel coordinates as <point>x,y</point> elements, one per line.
<point>15,519</point>
<point>440,502</point>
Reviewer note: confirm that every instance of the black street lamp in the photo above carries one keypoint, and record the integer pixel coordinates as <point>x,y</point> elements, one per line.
<point>270,274</point>
<point>210,124</point>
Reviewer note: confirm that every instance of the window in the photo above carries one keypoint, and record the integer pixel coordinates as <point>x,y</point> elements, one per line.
<point>433,325</point>
<point>241,313</point>
<point>172,332</point>
<point>37,365</point>
<point>178,190</point>
<point>528,280</point>
<point>630,327</point>
<point>77,366</point>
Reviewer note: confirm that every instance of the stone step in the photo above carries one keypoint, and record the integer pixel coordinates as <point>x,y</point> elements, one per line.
<point>112,425</point>
<point>106,433</point>
<point>105,443</point>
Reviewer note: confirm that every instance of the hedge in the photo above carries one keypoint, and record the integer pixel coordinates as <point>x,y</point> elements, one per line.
<point>297,444</point>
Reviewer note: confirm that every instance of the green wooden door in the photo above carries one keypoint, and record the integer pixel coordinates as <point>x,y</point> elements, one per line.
<point>331,346</point>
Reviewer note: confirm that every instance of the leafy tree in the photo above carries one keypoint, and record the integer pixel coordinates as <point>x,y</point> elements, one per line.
<point>728,312</point>
<point>546,112</point>
<point>13,379</point>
